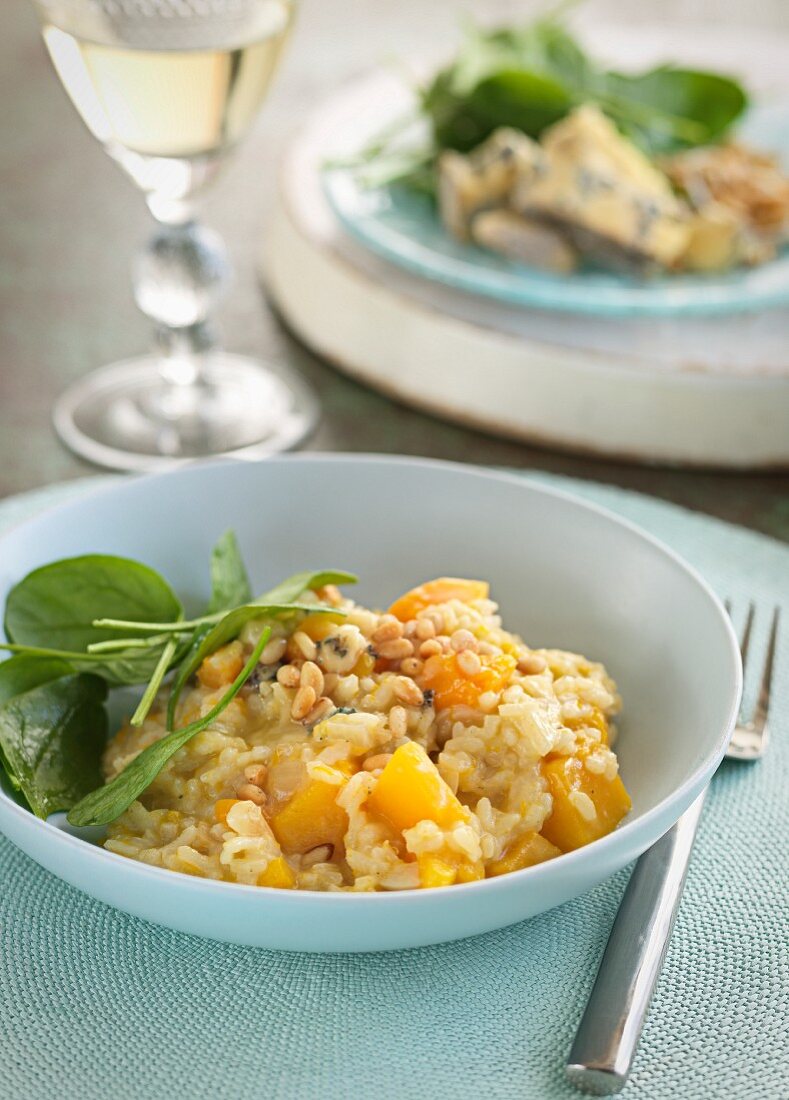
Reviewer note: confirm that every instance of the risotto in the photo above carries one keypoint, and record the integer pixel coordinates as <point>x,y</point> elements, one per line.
<point>421,747</point>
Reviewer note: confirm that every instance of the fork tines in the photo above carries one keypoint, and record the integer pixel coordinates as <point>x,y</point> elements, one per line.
<point>749,739</point>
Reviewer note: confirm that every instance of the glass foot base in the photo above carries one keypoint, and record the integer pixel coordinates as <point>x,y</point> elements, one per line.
<point>127,417</point>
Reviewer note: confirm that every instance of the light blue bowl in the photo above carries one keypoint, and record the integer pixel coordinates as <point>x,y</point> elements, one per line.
<point>566,574</point>
<point>403,227</point>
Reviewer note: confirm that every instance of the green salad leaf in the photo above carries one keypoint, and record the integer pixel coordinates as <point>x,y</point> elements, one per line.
<point>529,77</point>
<point>278,601</point>
<point>52,610</point>
<point>668,108</point>
<point>292,587</point>
<point>18,675</point>
<point>109,801</point>
<point>51,739</point>
<point>21,674</point>
<point>81,624</point>
<point>229,580</point>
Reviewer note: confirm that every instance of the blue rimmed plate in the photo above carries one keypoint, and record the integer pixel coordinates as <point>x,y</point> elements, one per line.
<point>402,227</point>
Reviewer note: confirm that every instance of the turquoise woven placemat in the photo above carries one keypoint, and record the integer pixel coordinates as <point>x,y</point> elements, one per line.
<point>95,1004</point>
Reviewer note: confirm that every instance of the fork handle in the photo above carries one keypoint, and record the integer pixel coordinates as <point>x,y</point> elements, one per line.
<point>611,1026</point>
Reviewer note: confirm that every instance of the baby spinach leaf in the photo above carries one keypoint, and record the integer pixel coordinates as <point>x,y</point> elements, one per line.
<point>292,587</point>
<point>132,665</point>
<point>52,737</point>
<point>23,673</point>
<point>229,580</point>
<point>108,802</point>
<point>528,77</point>
<point>668,108</point>
<point>165,660</point>
<point>279,599</point>
<point>54,607</point>
<point>208,641</point>
<point>528,101</point>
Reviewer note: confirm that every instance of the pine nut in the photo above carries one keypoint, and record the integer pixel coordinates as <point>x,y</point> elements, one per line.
<point>248,792</point>
<point>321,854</point>
<point>289,676</point>
<point>256,774</point>
<point>330,594</point>
<point>409,630</point>
<point>373,763</point>
<point>408,692</point>
<point>396,649</point>
<point>462,640</point>
<point>425,628</point>
<point>330,682</point>
<point>321,710</point>
<point>305,644</point>
<point>388,630</point>
<point>531,664</point>
<point>398,721</point>
<point>430,648</point>
<point>468,662</point>
<point>411,666</point>
<point>486,649</point>
<point>303,703</point>
<point>443,641</point>
<point>274,651</point>
<point>311,676</point>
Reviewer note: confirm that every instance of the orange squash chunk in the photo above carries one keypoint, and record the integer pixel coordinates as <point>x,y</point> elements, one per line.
<point>451,687</point>
<point>311,817</point>
<point>277,874</point>
<point>222,807</point>
<point>446,869</point>
<point>438,591</point>
<point>526,851</point>
<point>317,627</point>
<point>568,826</point>
<point>222,667</point>
<point>435,872</point>
<point>410,789</point>
<point>470,872</point>
<point>320,626</point>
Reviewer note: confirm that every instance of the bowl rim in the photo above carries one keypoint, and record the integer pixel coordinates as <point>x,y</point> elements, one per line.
<point>631,830</point>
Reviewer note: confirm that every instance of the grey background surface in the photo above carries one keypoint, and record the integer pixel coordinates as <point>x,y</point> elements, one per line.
<point>70,222</point>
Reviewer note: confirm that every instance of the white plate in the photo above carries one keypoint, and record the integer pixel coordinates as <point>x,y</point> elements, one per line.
<point>566,574</point>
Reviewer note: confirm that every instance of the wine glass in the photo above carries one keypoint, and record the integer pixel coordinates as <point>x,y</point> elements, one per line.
<point>169,87</point>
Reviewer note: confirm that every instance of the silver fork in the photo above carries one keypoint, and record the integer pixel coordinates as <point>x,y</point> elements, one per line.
<point>607,1037</point>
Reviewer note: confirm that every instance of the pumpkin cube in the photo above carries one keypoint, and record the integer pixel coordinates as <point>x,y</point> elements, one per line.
<point>441,590</point>
<point>451,687</point>
<point>222,667</point>
<point>586,806</point>
<point>410,789</point>
<point>277,874</point>
<point>435,872</point>
<point>526,851</point>
<point>311,817</point>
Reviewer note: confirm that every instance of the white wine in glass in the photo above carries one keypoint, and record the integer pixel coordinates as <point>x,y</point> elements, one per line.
<point>169,87</point>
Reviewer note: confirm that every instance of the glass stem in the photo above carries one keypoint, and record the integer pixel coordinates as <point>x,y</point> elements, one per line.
<point>178,279</point>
